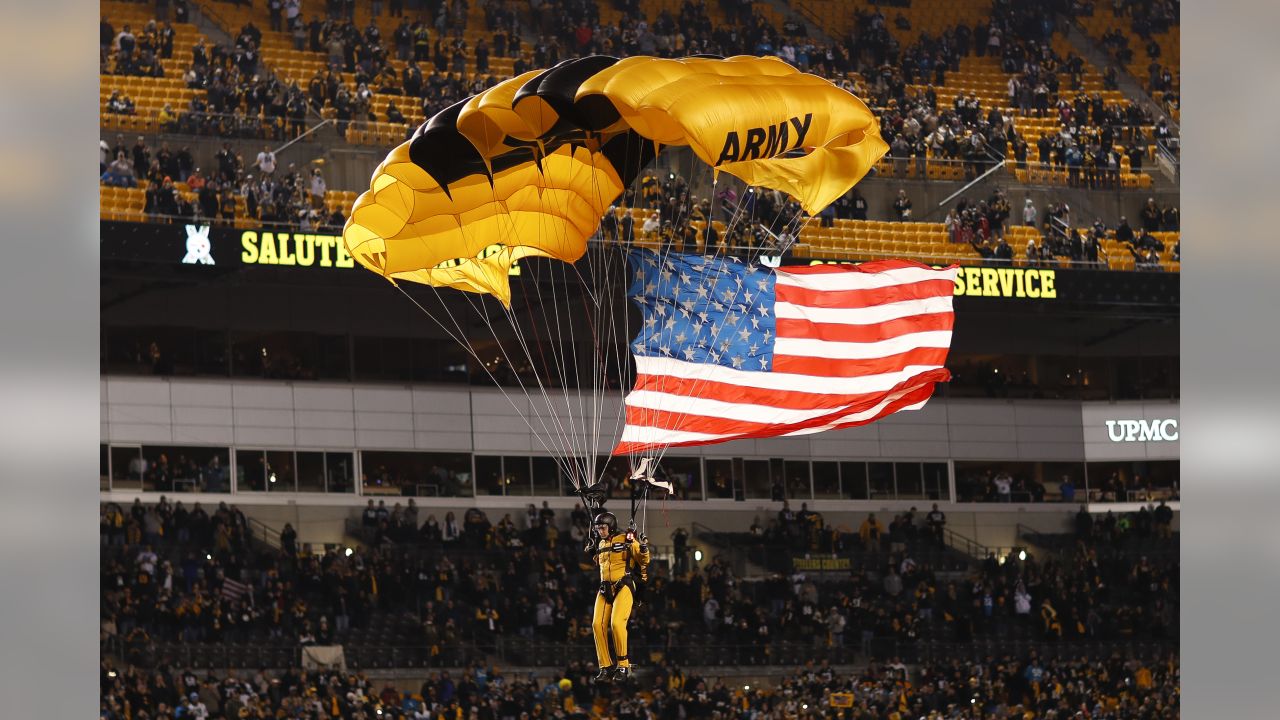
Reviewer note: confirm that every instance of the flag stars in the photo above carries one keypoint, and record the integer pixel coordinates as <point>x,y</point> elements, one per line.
<point>737,362</point>
<point>764,363</point>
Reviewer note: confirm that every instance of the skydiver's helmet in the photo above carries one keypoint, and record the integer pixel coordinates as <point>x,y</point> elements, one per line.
<point>606,519</point>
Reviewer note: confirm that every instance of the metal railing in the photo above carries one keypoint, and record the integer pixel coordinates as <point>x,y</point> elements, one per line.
<point>269,536</point>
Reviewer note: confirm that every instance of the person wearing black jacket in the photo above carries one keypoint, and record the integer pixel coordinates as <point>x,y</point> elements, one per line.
<point>1124,233</point>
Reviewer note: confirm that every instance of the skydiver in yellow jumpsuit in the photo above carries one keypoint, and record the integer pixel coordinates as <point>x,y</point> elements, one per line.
<point>620,557</point>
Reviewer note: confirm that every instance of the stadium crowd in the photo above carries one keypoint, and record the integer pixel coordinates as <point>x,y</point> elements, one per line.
<point>1119,686</point>
<point>241,98</point>
<point>461,585</point>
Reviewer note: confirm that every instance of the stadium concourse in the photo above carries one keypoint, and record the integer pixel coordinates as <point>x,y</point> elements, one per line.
<point>318,503</point>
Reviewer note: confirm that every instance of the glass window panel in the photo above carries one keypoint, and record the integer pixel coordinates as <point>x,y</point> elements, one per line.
<point>1136,481</point>
<point>546,476</point>
<point>417,473</point>
<point>340,472</point>
<point>880,480</point>
<point>798,480</point>
<point>1062,482</point>
<point>251,471</point>
<point>853,480</point>
<point>755,474</point>
<point>720,479</point>
<point>613,472</point>
<point>936,486</point>
<point>1129,378</point>
<point>980,481</point>
<point>378,358</point>
<point>281,474</point>
<point>826,480</point>
<point>910,481</point>
<point>1092,377</point>
<point>685,475</point>
<point>127,468</point>
<point>311,472</point>
<point>188,469</point>
<point>173,468</point>
<point>516,479</point>
<point>488,475</point>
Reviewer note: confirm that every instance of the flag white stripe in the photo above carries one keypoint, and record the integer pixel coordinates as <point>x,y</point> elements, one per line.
<point>862,281</point>
<point>845,421</point>
<point>869,315</point>
<point>861,351</point>
<point>746,412</point>
<point>646,365</point>
<point>648,434</point>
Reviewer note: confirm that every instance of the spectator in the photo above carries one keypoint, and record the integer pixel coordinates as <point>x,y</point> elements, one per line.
<point>318,188</point>
<point>120,173</point>
<point>902,206</point>
<point>266,161</point>
<point>871,532</point>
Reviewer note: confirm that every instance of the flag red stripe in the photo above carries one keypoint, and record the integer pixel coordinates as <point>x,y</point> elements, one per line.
<point>863,298</point>
<point>786,399</point>
<point>870,267</point>
<point>835,332</point>
<point>828,367</point>
<point>674,419</point>
<point>913,397</point>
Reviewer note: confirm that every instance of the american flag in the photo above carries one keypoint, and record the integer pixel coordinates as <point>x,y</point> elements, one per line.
<point>730,350</point>
<point>232,590</point>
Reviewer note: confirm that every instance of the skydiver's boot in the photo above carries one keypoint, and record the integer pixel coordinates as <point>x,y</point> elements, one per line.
<point>605,674</point>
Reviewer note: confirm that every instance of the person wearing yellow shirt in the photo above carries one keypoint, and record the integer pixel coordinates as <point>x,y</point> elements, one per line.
<point>620,557</point>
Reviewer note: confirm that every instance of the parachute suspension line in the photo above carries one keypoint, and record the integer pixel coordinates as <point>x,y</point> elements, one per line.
<point>506,356</point>
<point>565,426</point>
<point>616,301</point>
<point>520,338</point>
<point>460,339</point>
<point>685,210</point>
<point>579,423</point>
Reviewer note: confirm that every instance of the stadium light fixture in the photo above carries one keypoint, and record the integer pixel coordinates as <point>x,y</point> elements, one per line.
<point>697,556</point>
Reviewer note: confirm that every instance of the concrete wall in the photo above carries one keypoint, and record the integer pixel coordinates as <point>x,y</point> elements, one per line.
<point>282,415</point>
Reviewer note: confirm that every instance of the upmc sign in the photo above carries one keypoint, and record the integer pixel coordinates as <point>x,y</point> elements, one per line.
<point>1131,430</point>
<point>1142,430</point>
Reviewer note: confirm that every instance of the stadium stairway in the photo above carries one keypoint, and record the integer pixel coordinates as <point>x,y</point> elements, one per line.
<point>1092,52</point>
